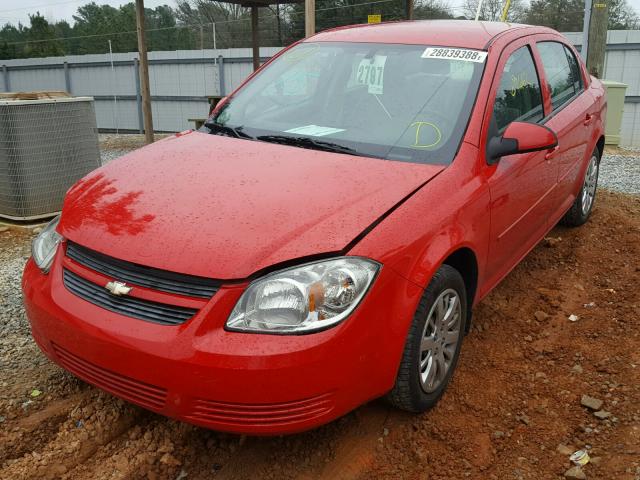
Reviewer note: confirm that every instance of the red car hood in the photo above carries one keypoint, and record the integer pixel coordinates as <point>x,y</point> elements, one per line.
<point>225,208</point>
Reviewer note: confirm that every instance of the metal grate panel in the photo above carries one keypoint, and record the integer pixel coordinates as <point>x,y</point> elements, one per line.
<point>140,275</point>
<point>143,394</point>
<point>260,414</point>
<point>45,147</point>
<point>155,312</point>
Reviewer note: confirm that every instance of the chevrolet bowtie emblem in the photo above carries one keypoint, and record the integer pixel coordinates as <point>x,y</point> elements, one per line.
<point>118,288</point>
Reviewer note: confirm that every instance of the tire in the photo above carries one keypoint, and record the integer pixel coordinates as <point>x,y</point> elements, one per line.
<point>412,390</point>
<point>581,209</point>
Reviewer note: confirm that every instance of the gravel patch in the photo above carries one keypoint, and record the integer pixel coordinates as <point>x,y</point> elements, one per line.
<point>620,173</point>
<point>13,257</point>
<point>107,155</point>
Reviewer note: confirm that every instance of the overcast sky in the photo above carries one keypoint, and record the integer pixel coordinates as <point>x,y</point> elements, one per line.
<point>15,11</point>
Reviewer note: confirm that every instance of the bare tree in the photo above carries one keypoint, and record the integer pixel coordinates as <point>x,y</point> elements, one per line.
<point>429,9</point>
<point>232,21</point>
<point>491,10</point>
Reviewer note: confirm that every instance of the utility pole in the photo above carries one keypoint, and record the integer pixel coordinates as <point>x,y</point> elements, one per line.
<point>144,73</point>
<point>585,30</point>
<point>309,17</point>
<point>597,38</point>
<point>409,9</point>
<point>255,37</point>
<point>279,24</point>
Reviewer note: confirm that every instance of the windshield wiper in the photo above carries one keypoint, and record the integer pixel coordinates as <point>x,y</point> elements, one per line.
<point>306,142</point>
<point>237,132</point>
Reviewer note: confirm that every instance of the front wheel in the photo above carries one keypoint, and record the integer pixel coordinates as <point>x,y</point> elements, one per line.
<point>579,212</point>
<point>433,344</point>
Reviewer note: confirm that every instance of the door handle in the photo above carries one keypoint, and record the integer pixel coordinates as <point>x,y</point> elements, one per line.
<point>551,153</point>
<point>587,119</point>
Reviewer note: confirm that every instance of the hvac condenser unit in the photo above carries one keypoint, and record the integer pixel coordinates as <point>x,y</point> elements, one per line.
<point>46,145</point>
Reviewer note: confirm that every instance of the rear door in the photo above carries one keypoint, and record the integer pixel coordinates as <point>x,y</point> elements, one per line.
<point>522,185</point>
<point>572,111</point>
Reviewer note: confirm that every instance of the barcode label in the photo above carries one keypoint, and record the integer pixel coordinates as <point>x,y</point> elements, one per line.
<point>455,54</point>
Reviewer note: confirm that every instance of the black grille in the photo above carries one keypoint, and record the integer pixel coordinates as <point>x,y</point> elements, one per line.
<point>149,277</point>
<point>132,307</point>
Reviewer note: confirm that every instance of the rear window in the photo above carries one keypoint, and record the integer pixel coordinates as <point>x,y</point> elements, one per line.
<point>561,71</point>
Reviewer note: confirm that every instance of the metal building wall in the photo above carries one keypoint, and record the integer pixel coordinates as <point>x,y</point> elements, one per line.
<point>181,80</point>
<point>622,64</point>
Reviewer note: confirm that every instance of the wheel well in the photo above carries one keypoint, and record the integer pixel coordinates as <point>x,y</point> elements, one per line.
<point>600,145</point>
<point>464,261</point>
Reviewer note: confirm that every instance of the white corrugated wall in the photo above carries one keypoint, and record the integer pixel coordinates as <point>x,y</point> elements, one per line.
<point>201,80</point>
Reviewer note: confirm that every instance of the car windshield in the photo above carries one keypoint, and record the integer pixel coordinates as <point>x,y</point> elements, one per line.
<point>398,102</point>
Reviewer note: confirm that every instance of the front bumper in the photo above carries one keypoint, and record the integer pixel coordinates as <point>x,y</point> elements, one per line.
<point>237,382</point>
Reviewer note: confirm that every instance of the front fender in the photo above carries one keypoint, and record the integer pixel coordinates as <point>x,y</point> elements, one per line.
<point>449,213</point>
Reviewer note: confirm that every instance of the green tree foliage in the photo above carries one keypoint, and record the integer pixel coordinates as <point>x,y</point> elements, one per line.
<point>41,39</point>
<point>93,26</point>
<point>190,24</point>
<point>562,15</point>
<point>568,15</point>
<point>9,36</point>
<point>432,9</point>
<point>232,23</point>
<point>335,13</point>
<point>622,16</point>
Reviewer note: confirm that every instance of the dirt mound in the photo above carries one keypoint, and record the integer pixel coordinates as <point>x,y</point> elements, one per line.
<point>513,410</point>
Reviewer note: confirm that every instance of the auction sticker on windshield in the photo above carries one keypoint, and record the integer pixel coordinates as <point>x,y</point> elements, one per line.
<point>314,130</point>
<point>455,54</point>
<point>371,73</point>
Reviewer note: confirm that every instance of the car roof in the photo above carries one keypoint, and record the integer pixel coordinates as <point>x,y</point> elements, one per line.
<point>454,33</point>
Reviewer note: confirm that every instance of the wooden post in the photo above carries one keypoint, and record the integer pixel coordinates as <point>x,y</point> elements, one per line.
<point>309,17</point>
<point>409,8</point>
<point>279,25</point>
<point>5,74</point>
<point>597,38</point>
<point>67,78</point>
<point>255,38</point>
<point>144,73</point>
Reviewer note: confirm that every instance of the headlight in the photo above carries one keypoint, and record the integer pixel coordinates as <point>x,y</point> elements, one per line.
<point>45,244</point>
<point>304,299</point>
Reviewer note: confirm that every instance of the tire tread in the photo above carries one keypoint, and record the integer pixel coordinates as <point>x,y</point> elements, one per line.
<point>401,395</point>
<point>574,216</point>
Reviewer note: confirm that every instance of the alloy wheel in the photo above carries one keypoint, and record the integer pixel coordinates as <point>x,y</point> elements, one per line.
<point>439,339</point>
<point>589,187</point>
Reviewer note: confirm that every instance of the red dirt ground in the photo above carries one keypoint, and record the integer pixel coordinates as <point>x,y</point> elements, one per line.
<point>514,400</point>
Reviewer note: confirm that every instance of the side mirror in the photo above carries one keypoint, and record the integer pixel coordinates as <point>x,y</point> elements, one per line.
<point>521,137</point>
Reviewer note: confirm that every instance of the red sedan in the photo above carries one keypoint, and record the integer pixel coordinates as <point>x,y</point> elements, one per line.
<point>322,240</point>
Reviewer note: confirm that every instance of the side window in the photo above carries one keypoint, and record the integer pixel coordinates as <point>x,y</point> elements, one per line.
<point>563,78</point>
<point>576,73</point>
<point>518,97</point>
